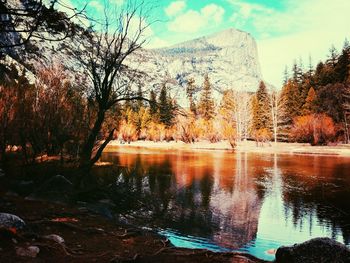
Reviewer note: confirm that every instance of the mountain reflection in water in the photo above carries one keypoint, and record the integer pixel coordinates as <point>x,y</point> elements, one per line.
<point>224,200</point>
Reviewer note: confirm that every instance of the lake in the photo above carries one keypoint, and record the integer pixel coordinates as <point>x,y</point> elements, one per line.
<point>224,201</point>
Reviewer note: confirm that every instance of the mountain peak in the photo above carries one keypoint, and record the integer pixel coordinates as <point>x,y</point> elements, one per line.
<point>229,57</point>
<point>230,37</point>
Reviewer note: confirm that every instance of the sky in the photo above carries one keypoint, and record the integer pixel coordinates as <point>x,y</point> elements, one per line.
<point>285,30</point>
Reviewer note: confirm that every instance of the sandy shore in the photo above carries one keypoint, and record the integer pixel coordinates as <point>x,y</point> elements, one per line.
<point>247,146</point>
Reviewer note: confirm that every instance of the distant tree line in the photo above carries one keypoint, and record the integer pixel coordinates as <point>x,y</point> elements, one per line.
<point>317,101</point>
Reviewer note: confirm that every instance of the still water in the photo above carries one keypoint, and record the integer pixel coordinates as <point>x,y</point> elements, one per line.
<point>234,201</point>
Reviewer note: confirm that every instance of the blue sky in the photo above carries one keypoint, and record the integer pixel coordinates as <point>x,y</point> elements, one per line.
<point>284,29</point>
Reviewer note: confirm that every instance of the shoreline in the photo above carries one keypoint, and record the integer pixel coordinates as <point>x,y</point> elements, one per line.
<point>341,150</point>
<point>89,237</point>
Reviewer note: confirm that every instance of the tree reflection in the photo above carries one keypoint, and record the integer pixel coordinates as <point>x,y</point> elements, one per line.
<point>318,188</point>
<point>195,194</point>
<point>234,199</point>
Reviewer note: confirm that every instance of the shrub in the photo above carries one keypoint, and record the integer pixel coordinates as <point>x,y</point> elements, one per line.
<point>229,133</point>
<point>170,134</point>
<point>262,135</point>
<point>187,129</point>
<point>156,132</point>
<point>212,131</point>
<point>317,129</point>
<point>127,132</point>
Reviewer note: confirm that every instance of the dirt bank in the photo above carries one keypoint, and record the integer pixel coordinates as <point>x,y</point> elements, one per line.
<point>90,238</point>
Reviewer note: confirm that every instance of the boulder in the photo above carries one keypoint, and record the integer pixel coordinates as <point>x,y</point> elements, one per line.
<point>31,251</point>
<point>10,221</point>
<point>323,250</point>
<point>55,238</point>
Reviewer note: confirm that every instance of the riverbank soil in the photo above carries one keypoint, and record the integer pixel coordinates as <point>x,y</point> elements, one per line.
<point>88,237</point>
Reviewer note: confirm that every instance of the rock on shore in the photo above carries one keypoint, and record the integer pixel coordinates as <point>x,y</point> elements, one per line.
<point>323,250</point>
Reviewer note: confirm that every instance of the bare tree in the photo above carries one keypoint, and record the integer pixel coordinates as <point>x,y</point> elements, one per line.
<point>21,21</point>
<point>242,114</point>
<point>7,103</point>
<point>346,112</point>
<point>276,107</point>
<point>236,106</point>
<point>103,58</point>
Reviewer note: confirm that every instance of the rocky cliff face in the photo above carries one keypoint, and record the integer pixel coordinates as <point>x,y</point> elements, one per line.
<point>230,58</point>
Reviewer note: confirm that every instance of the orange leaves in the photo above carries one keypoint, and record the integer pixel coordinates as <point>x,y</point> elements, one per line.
<point>156,132</point>
<point>262,135</point>
<point>128,132</point>
<point>316,129</point>
<point>228,130</point>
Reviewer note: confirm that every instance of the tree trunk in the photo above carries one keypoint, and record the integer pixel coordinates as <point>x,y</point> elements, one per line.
<point>102,147</point>
<point>86,153</point>
<point>347,139</point>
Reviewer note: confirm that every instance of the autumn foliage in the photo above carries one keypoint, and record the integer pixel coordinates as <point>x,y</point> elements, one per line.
<point>44,118</point>
<point>317,129</point>
<point>262,136</point>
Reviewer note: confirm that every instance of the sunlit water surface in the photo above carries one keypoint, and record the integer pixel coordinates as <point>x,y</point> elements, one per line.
<point>226,201</point>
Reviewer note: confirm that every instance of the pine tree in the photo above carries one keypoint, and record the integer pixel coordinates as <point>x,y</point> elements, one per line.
<point>333,56</point>
<point>311,68</point>
<point>127,102</point>
<point>309,106</point>
<point>255,112</point>
<point>139,103</point>
<point>304,89</point>
<point>346,112</point>
<point>227,105</point>
<point>343,65</point>
<point>261,109</point>
<point>190,90</point>
<point>206,103</point>
<point>346,45</point>
<point>300,69</point>
<point>297,72</point>
<point>166,108</point>
<point>291,97</point>
<point>153,103</point>
<point>285,75</point>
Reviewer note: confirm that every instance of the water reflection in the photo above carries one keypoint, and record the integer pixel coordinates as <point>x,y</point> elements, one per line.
<point>222,200</point>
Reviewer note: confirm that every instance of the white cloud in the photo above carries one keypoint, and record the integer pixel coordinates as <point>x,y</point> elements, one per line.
<point>301,29</point>
<point>246,9</point>
<point>319,25</point>
<point>189,22</point>
<point>265,20</point>
<point>175,8</point>
<point>214,12</point>
<point>192,21</point>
